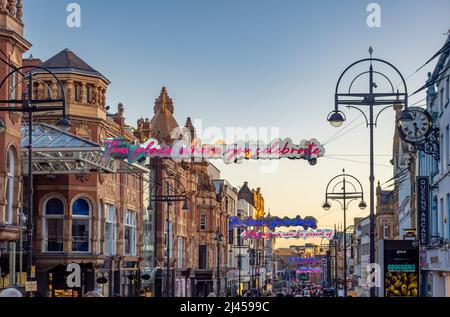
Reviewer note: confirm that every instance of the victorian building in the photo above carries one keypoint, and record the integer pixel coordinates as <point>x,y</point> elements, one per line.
<point>12,46</point>
<point>87,210</point>
<point>190,244</point>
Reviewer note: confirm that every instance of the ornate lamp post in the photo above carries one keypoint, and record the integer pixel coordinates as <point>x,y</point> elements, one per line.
<point>370,100</point>
<point>338,190</point>
<point>218,238</point>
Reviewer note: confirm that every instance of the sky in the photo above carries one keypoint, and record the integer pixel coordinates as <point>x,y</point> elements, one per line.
<point>254,63</point>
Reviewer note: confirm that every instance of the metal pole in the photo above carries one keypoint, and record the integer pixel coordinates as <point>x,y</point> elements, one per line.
<point>239,261</point>
<point>168,245</point>
<point>336,262</point>
<point>345,241</point>
<point>372,177</point>
<point>30,183</point>
<point>21,254</point>
<point>218,264</point>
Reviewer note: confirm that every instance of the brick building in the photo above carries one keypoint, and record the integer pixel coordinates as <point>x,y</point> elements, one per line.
<point>12,46</point>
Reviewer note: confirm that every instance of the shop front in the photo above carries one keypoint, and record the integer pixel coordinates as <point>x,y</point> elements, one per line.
<point>438,269</point>
<point>203,283</point>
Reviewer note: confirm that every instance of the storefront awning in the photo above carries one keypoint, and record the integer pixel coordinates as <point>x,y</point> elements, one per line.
<point>58,152</point>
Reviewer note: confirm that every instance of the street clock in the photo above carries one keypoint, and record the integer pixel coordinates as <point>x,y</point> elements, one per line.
<point>415,125</point>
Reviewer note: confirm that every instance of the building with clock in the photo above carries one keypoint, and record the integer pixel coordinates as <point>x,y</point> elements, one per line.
<point>435,254</point>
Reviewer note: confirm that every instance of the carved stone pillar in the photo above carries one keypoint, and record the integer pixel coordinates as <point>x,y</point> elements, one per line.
<point>11,6</point>
<point>69,90</point>
<point>3,6</point>
<point>19,13</point>
<point>104,98</point>
<point>83,93</point>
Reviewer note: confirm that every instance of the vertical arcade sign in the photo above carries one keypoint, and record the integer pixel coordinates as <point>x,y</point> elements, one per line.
<point>423,208</point>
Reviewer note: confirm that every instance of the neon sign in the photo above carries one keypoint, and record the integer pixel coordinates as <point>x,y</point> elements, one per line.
<point>185,151</point>
<point>292,234</point>
<point>274,222</point>
<point>309,270</point>
<point>305,260</point>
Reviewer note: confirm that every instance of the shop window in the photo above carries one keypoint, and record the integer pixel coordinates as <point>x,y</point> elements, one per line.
<point>81,218</point>
<point>54,225</point>
<point>129,224</point>
<point>10,167</point>
<point>110,230</point>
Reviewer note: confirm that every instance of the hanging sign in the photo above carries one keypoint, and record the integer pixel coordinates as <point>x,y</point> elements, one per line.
<point>181,150</point>
<point>274,222</point>
<point>292,234</point>
<point>423,208</point>
<point>305,260</point>
<point>309,270</point>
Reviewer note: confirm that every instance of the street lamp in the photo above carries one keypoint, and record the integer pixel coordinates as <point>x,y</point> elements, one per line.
<point>370,100</point>
<point>218,238</point>
<point>337,190</point>
<point>28,104</point>
<point>169,199</point>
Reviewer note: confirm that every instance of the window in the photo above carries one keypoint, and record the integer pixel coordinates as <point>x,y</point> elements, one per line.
<point>434,218</point>
<point>202,257</point>
<point>129,224</point>
<point>77,92</point>
<point>203,222</point>
<point>12,84</point>
<point>99,228</point>
<point>442,99</point>
<point>81,216</point>
<point>180,259</point>
<point>447,88</point>
<point>441,217</point>
<point>54,225</point>
<point>110,230</point>
<point>447,145</point>
<point>447,217</point>
<point>10,166</point>
<point>88,94</point>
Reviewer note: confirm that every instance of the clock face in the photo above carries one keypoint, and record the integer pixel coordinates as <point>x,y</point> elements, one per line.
<point>417,130</point>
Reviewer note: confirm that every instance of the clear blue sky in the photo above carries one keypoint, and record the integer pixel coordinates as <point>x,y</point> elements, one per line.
<point>249,63</point>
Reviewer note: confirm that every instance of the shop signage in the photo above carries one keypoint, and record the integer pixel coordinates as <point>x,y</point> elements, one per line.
<point>400,268</point>
<point>274,222</point>
<point>230,153</point>
<point>423,208</point>
<point>31,286</point>
<point>292,234</point>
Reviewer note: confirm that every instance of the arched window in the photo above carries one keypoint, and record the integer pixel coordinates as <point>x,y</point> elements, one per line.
<point>129,224</point>
<point>10,166</point>
<point>54,225</point>
<point>81,224</point>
